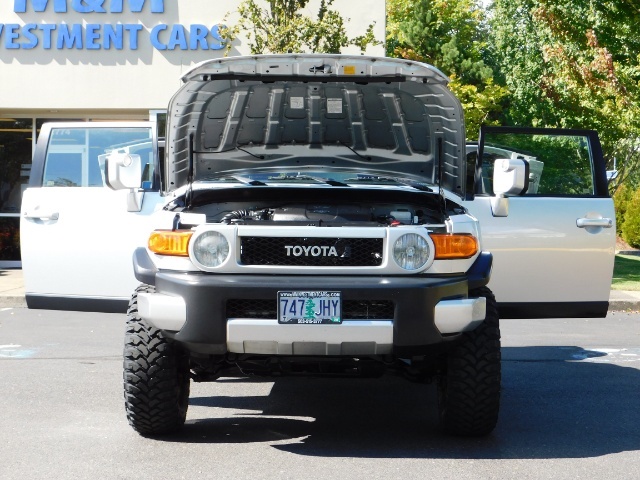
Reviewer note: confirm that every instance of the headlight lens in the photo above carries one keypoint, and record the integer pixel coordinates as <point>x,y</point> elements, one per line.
<point>411,251</point>
<point>211,249</point>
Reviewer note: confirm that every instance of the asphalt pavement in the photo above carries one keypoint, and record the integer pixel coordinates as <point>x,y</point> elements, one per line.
<point>568,411</point>
<point>12,294</point>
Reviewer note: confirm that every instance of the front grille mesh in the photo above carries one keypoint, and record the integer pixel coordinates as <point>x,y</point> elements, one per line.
<point>315,252</point>
<point>351,309</point>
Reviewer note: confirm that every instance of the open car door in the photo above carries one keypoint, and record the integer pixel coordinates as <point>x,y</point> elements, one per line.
<point>553,242</point>
<point>77,234</point>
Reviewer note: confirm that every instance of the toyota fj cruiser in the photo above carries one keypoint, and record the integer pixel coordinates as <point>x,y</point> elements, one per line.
<point>320,215</point>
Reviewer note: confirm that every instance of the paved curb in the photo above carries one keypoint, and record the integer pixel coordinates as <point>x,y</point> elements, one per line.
<point>628,252</point>
<point>13,301</point>
<point>623,300</point>
<point>624,306</point>
<point>12,288</point>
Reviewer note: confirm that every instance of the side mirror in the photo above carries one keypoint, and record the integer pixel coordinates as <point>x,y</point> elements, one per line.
<point>510,177</point>
<point>123,170</point>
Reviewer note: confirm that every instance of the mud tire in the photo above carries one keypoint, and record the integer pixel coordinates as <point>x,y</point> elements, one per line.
<point>469,387</point>
<point>156,376</point>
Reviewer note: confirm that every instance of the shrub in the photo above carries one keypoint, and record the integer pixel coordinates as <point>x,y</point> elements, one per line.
<point>631,225</point>
<point>621,199</point>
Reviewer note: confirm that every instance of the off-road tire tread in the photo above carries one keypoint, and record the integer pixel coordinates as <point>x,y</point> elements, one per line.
<point>156,376</point>
<point>469,390</point>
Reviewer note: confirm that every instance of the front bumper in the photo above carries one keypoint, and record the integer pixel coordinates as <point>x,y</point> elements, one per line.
<point>191,307</point>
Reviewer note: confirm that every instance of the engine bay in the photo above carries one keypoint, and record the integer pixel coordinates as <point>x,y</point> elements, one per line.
<point>326,214</point>
<point>316,207</point>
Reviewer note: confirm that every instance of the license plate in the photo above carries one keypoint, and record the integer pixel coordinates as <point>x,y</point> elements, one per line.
<point>319,308</point>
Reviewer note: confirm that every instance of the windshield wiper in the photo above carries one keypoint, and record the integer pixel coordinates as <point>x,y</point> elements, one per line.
<point>248,181</point>
<point>416,185</point>
<point>238,179</point>
<point>407,183</point>
<point>328,181</point>
<point>300,177</point>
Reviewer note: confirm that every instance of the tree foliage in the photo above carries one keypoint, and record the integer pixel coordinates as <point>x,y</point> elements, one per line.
<point>482,104</point>
<point>445,33</point>
<point>574,64</point>
<point>280,26</point>
<point>631,225</point>
<point>449,34</point>
<point>621,200</point>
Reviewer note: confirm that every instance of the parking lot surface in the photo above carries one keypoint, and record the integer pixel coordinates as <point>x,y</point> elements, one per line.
<point>569,410</point>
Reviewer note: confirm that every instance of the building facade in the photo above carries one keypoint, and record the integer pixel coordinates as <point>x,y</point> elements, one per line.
<point>98,60</point>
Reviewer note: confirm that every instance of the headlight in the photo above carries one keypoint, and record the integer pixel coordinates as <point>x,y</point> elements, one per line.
<point>211,249</point>
<point>411,251</point>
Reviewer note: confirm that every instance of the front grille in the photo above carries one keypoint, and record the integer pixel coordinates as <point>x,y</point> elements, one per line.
<point>351,309</point>
<point>314,252</point>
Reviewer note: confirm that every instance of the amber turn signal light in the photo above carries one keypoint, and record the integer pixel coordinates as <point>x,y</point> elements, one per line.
<point>170,242</point>
<point>453,246</point>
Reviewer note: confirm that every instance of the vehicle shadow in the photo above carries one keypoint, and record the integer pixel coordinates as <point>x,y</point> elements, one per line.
<point>557,402</point>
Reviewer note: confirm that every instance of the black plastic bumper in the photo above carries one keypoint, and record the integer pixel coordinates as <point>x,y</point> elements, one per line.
<point>414,297</point>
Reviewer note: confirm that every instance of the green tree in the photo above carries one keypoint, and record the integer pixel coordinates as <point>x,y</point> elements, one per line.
<point>631,225</point>
<point>621,200</point>
<point>449,34</point>
<point>279,26</point>
<point>574,64</point>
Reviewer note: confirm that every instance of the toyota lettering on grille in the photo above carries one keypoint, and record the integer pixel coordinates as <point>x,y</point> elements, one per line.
<point>310,251</point>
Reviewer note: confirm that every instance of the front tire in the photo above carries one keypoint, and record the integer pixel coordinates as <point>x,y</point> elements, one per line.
<point>469,388</point>
<point>156,376</point>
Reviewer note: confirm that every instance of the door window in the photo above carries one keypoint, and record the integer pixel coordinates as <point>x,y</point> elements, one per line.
<point>560,161</point>
<point>75,156</point>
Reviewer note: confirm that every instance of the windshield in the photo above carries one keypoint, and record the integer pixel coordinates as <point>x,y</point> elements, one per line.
<point>333,162</point>
<point>258,177</point>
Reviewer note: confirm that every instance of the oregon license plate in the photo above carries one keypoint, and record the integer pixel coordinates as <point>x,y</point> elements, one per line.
<point>320,308</point>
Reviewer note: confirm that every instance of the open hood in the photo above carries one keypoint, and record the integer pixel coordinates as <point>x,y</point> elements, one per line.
<point>316,112</point>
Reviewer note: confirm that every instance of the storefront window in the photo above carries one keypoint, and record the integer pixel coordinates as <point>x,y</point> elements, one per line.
<point>162,124</point>
<point>10,239</point>
<point>15,165</point>
<point>15,161</point>
<point>160,118</point>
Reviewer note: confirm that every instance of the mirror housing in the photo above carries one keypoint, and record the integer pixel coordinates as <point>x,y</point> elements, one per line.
<point>123,171</point>
<point>510,176</point>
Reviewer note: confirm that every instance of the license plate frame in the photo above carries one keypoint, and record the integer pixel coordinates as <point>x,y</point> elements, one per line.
<point>325,306</point>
